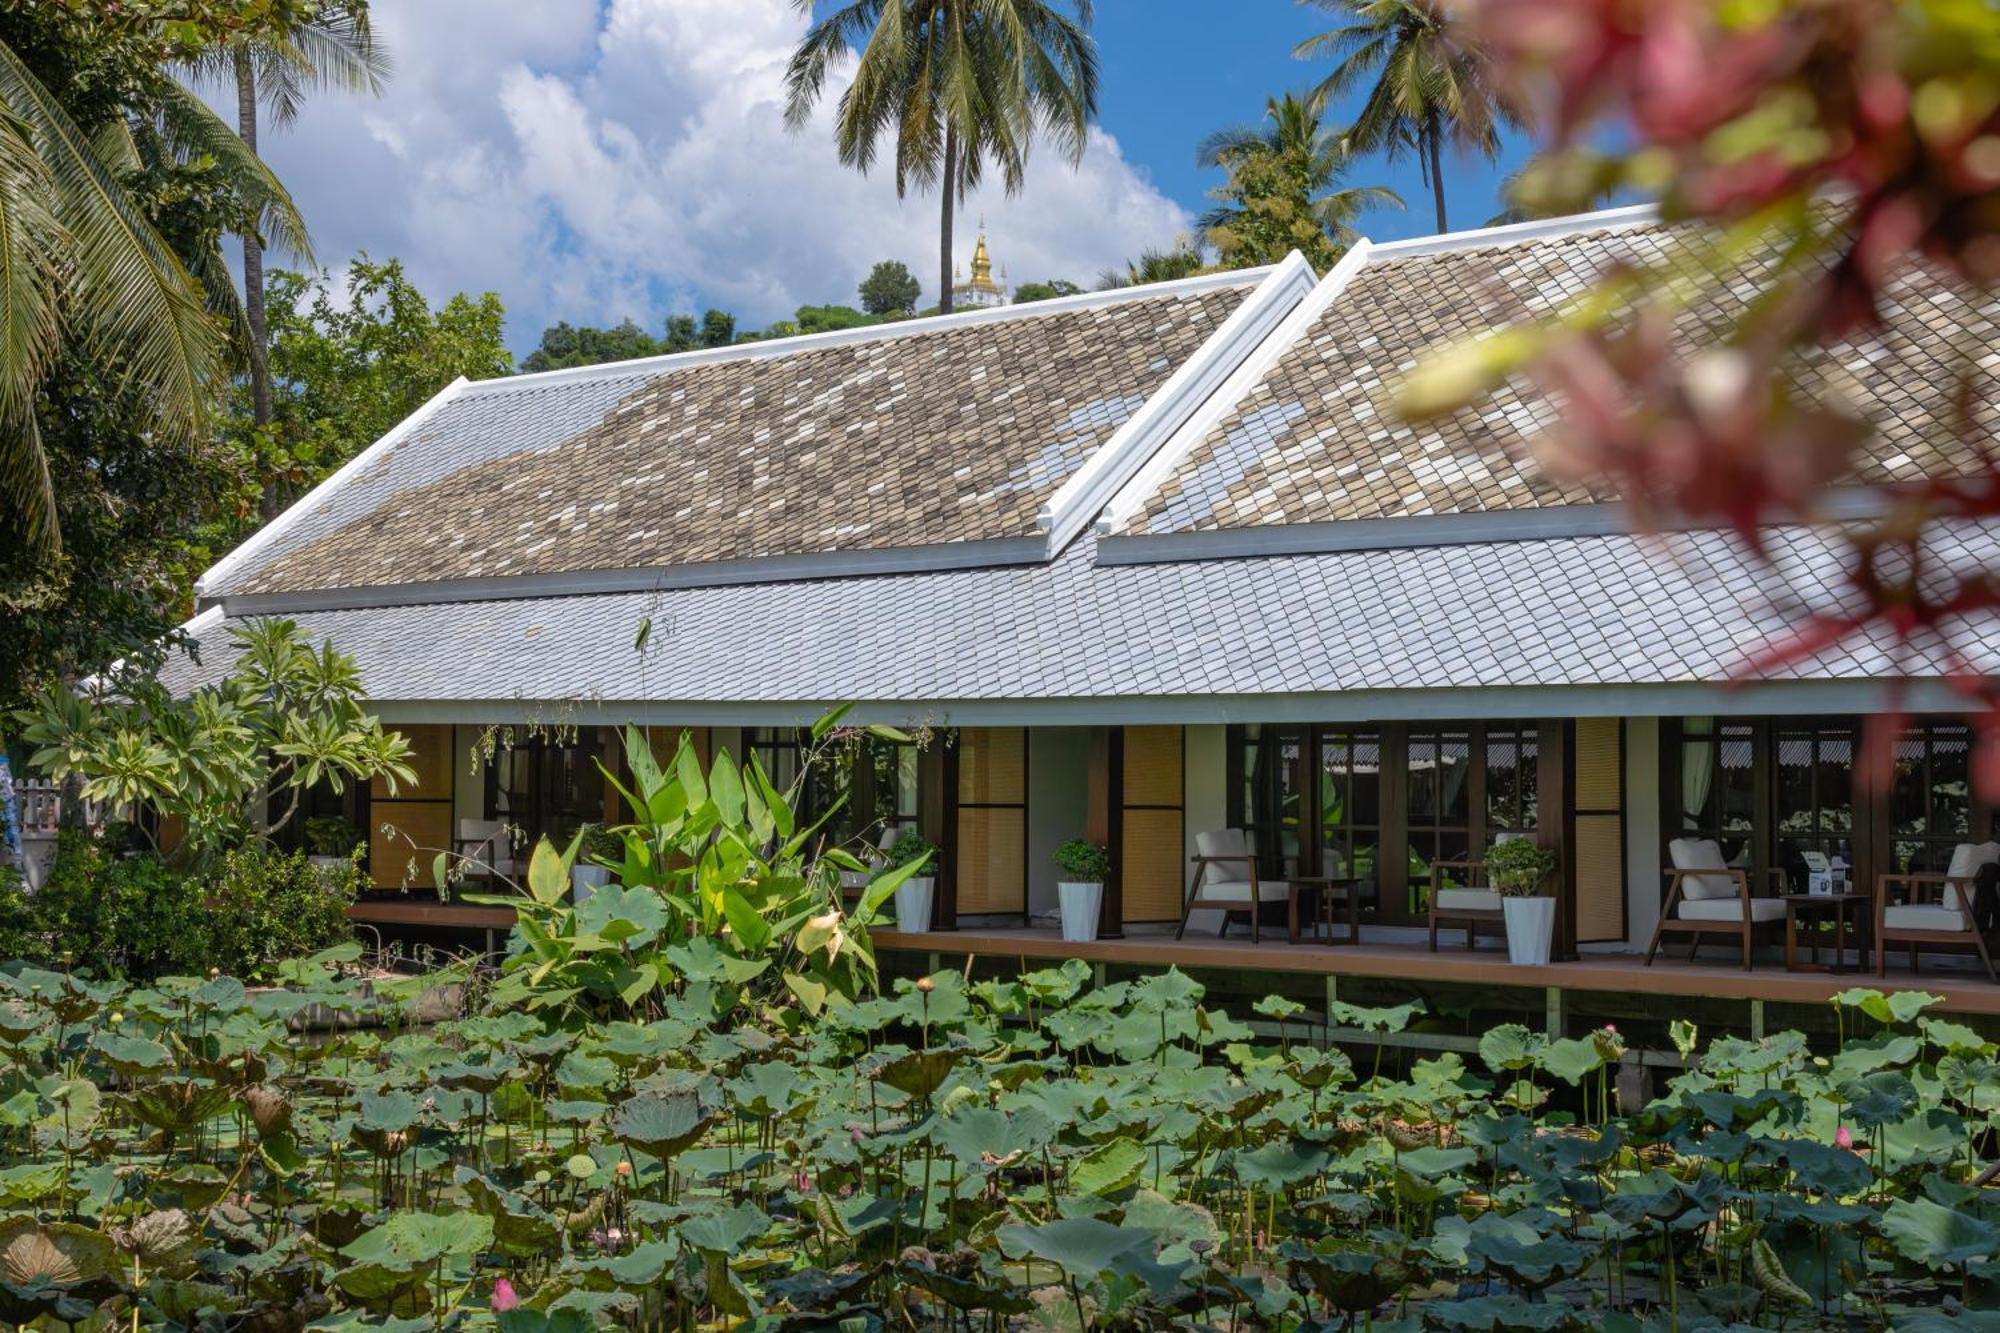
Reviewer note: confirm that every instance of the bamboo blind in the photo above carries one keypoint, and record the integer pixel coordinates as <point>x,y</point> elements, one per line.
<point>1151,850</point>
<point>1597,846</point>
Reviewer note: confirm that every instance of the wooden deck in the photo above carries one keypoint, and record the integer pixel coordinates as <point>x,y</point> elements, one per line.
<point>1713,978</point>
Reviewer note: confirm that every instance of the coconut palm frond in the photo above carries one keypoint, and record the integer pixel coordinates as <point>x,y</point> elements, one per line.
<point>190,129</point>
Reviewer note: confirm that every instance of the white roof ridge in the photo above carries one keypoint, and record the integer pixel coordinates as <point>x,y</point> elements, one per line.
<point>1516,233</point>
<point>771,348</point>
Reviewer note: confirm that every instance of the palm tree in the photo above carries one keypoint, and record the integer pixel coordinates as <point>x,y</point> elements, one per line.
<point>1432,82</point>
<point>1303,161</point>
<point>1183,259</point>
<point>80,260</point>
<point>955,83</point>
<point>335,50</point>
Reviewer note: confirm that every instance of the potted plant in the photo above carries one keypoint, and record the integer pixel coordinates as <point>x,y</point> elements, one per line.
<point>1081,895</point>
<point>331,841</point>
<point>913,895</point>
<point>600,844</point>
<point>1519,869</point>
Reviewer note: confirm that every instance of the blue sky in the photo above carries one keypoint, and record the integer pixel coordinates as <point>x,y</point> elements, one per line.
<point>1172,74</point>
<point>596,160</point>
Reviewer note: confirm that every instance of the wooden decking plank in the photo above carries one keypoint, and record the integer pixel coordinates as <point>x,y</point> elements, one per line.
<point>1484,967</point>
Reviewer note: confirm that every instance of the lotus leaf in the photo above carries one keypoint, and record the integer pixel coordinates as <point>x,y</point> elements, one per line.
<point>1081,1246</point>
<point>660,1126</point>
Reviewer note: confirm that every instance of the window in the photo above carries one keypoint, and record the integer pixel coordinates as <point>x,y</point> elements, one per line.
<point>1813,792</point>
<point>875,783</point>
<point>1438,764</point>
<point>546,788</point>
<point>1513,781</point>
<point>1350,805</point>
<point>1930,799</point>
<point>1271,800</point>
<point>1717,796</point>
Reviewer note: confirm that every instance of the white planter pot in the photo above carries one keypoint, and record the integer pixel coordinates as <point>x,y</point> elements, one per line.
<point>583,879</point>
<point>913,904</point>
<point>1531,927</point>
<point>1081,901</point>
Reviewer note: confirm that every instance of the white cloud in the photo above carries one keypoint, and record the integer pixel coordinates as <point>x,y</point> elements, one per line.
<point>591,162</point>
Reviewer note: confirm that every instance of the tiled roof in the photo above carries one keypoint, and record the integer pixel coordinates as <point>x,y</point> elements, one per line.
<point>954,431</point>
<point>1318,438</point>
<point>1554,612</point>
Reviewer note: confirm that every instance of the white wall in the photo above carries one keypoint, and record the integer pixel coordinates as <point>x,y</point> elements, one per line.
<point>1058,801</point>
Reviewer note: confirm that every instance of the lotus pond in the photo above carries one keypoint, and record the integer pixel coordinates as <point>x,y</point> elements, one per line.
<point>1030,1152</point>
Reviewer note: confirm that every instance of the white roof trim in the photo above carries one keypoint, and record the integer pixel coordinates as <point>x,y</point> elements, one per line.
<point>1193,382</point>
<point>771,348</point>
<point>252,546</point>
<point>1249,373</point>
<point>1674,699</point>
<point>1476,526</point>
<point>712,574</point>
<point>1516,233</point>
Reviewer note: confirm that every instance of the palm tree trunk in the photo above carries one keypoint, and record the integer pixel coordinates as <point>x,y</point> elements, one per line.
<point>253,277</point>
<point>948,188</point>
<point>1432,134</point>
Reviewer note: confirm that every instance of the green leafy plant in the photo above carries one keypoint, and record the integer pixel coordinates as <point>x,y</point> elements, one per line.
<point>1519,867</point>
<point>1083,861</point>
<point>913,852</point>
<point>287,718</point>
<point>330,835</point>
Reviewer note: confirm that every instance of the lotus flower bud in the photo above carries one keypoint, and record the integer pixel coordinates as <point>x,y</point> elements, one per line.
<point>504,1297</point>
<point>925,985</point>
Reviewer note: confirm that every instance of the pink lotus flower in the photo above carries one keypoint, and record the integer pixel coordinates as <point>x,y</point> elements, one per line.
<point>1842,1139</point>
<point>504,1297</point>
<point>1611,1028</point>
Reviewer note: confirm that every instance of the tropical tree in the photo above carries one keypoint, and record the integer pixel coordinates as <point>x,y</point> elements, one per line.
<point>83,261</point>
<point>1432,82</point>
<point>956,84</point>
<point>279,69</point>
<point>890,289</point>
<point>1183,259</point>
<point>1283,192</point>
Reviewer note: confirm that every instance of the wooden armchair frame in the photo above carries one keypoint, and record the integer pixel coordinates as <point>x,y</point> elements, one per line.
<point>1930,884</point>
<point>1470,917</point>
<point>1195,901</point>
<point>1746,930</point>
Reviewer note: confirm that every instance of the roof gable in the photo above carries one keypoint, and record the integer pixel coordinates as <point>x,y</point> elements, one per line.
<point>1314,439</point>
<point>932,443</point>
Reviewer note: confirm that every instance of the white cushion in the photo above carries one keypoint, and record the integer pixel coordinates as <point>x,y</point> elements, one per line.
<point>1238,891</point>
<point>1701,854</point>
<point>1468,900</point>
<point>1233,842</point>
<point>1923,917</point>
<point>1966,860</point>
<point>1729,909</point>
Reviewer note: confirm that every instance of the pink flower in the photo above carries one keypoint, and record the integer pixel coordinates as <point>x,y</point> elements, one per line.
<point>802,1182</point>
<point>1842,1139</point>
<point>504,1297</point>
<point>1611,1028</point>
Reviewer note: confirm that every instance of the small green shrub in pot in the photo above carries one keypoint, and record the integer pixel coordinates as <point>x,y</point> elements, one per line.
<point>912,846</point>
<point>331,835</point>
<point>913,896</point>
<point>1519,867</point>
<point>601,844</point>
<point>1080,894</point>
<point>1083,861</point>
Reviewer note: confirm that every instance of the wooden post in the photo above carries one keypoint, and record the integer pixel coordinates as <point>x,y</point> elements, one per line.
<point>1110,781</point>
<point>940,812</point>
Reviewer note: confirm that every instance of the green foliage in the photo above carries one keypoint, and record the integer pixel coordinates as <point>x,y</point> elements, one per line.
<point>1045,291</point>
<point>1117,1157</point>
<point>717,898</point>
<point>1283,190</point>
<point>287,718</point>
<point>564,345</point>
<point>912,849</point>
<point>717,329</point>
<point>137,916</point>
<point>330,835</point>
<point>1184,259</point>
<point>890,289</point>
<point>348,364</point>
<point>1084,861</point>
<point>1519,867</point>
